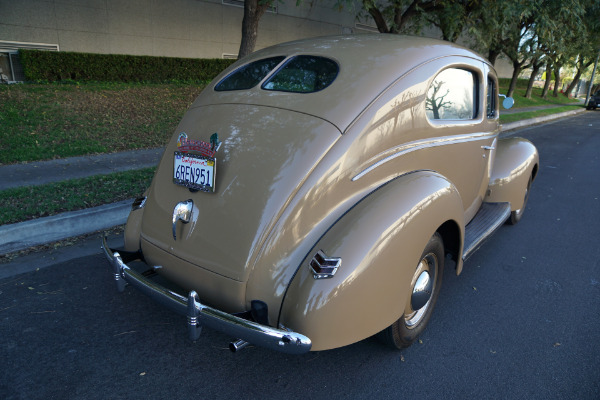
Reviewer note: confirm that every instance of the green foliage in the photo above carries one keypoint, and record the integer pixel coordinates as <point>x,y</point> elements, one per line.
<point>22,204</point>
<point>50,66</point>
<point>46,121</point>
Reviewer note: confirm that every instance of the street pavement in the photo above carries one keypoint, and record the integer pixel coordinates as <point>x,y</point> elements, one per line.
<point>19,236</point>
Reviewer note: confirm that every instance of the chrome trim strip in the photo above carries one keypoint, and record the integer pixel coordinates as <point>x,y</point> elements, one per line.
<point>423,144</point>
<point>200,315</point>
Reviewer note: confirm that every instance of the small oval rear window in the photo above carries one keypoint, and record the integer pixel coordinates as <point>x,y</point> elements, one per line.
<point>303,74</point>
<point>249,75</point>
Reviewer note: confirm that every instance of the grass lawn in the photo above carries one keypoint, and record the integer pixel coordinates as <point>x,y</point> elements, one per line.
<point>504,119</point>
<point>47,121</point>
<point>21,204</point>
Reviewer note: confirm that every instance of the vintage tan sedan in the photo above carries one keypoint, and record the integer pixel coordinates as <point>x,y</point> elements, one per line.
<point>314,193</point>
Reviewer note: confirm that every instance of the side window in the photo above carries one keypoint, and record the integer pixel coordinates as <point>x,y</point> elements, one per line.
<point>452,96</point>
<point>491,99</point>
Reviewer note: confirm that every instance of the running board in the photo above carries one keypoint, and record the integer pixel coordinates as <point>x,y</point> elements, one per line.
<point>488,219</point>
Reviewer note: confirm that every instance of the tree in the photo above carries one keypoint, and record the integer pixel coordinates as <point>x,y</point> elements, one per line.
<point>587,48</point>
<point>516,49</point>
<point>487,26</point>
<point>253,11</point>
<point>538,58</point>
<point>452,16</point>
<point>548,77</point>
<point>558,27</point>
<point>400,16</point>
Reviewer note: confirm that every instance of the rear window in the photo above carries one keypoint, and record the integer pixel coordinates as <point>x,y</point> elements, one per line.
<point>300,74</point>
<point>249,75</point>
<point>304,74</point>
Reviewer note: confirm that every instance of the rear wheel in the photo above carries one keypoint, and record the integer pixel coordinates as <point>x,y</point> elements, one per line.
<point>516,215</point>
<point>424,290</point>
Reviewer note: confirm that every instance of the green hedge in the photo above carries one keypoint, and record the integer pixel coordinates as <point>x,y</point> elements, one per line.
<point>60,66</point>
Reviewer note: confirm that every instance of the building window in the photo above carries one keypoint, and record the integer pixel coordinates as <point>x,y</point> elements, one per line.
<point>10,64</point>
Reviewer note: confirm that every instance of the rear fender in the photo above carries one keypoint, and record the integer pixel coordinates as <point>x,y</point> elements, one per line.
<point>133,227</point>
<point>380,241</point>
<point>516,160</point>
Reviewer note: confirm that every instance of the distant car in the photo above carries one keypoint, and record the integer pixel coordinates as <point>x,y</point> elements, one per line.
<point>594,101</point>
<point>314,193</point>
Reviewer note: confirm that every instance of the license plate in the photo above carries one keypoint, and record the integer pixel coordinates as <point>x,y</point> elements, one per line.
<point>194,171</point>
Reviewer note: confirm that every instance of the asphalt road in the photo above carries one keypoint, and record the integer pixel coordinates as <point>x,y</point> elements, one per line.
<point>521,322</point>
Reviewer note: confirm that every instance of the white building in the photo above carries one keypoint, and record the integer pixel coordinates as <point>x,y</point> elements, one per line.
<point>172,28</point>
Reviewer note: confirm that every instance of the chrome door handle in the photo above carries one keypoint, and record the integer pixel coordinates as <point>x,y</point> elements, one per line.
<point>488,147</point>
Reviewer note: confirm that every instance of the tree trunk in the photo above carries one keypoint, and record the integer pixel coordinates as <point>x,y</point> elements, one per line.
<point>548,79</point>
<point>536,69</point>
<point>493,55</point>
<point>557,80</point>
<point>513,80</point>
<point>574,83</point>
<point>253,10</point>
<point>581,67</point>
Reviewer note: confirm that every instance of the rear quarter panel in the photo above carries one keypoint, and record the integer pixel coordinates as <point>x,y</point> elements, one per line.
<point>380,242</point>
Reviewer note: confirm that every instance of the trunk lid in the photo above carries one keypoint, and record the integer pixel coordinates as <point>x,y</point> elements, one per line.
<point>265,155</point>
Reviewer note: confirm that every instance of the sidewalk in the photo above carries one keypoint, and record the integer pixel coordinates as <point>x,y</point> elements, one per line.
<point>19,236</point>
<point>41,172</point>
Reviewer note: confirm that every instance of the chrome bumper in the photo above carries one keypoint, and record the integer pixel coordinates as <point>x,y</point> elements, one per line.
<point>199,315</point>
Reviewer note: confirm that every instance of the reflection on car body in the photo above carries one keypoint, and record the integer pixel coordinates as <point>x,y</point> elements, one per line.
<point>345,174</point>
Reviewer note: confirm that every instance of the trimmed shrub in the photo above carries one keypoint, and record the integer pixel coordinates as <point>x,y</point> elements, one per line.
<point>68,66</point>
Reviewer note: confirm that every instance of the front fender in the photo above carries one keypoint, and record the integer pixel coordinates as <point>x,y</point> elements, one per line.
<point>516,160</point>
<point>380,241</point>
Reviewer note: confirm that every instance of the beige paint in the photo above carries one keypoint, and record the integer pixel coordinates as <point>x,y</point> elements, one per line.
<point>356,170</point>
<point>516,161</point>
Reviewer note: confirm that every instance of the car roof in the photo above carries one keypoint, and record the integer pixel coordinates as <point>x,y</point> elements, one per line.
<point>369,63</point>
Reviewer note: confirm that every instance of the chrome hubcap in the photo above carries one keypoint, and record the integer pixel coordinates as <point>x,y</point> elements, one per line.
<point>421,289</point>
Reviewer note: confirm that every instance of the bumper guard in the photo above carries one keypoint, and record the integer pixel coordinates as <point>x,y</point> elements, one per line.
<point>199,315</point>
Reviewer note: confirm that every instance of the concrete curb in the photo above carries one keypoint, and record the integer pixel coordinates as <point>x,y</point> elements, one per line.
<point>539,120</point>
<point>22,235</point>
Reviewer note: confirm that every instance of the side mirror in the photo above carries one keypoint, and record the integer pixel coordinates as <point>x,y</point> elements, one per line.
<point>508,102</point>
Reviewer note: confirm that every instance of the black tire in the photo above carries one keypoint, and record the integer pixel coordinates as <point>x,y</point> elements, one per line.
<point>411,324</point>
<point>516,215</point>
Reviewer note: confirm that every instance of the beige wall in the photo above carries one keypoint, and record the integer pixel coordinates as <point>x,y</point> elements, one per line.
<point>177,28</point>
<point>174,28</point>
